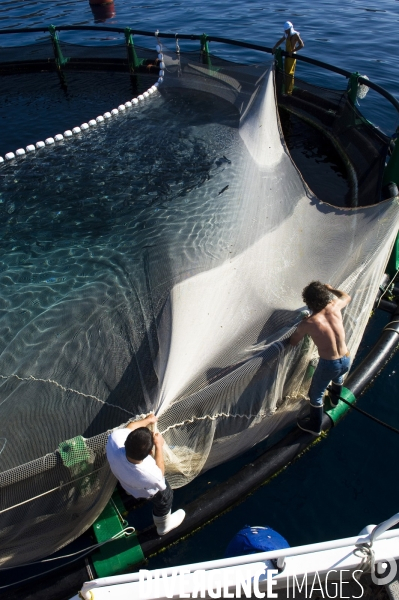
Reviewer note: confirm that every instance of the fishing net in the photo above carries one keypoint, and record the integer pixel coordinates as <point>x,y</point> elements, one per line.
<point>156,263</point>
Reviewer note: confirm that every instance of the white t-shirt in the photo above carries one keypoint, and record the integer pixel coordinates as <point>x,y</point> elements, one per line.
<point>141,480</point>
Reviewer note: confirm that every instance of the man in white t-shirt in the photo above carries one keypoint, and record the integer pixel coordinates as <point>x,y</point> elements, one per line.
<point>141,475</point>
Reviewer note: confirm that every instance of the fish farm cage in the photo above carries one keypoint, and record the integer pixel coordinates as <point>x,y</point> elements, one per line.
<point>50,499</point>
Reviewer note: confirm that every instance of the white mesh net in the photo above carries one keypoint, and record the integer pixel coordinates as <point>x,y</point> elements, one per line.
<point>180,298</point>
<point>229,378</point>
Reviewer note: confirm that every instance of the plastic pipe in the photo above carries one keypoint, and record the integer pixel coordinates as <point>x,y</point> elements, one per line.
<point>360,377</point>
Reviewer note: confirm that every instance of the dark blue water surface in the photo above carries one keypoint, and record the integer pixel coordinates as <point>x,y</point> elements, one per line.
<point>349,479</point>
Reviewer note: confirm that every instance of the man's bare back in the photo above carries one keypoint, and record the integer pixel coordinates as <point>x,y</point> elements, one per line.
<point>326,328</point>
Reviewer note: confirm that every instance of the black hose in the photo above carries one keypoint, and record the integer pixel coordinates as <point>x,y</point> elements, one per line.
<point>60,584</point>
<point>366,414</point>
<point>388,306</point>
<point>359,378</point>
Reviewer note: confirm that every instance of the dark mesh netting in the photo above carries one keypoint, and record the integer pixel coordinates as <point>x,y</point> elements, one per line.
<point>116,51</point>
<point>44,499</point>
<point>155,263</point>
<point>38,51</point>
<point>42,56</point>
<point>362,146</point>
<point>43,107</point>
<point>105,52</point>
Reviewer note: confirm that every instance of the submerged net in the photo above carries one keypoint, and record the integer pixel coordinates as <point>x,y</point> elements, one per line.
<point>156,264</point>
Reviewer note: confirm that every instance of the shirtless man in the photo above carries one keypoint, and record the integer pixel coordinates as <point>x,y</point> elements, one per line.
<point>326,329</point>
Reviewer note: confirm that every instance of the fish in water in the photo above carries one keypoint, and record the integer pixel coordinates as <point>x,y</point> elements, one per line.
<point>223,190</point>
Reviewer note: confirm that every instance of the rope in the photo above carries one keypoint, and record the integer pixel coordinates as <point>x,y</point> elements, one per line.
<point>366,552</point>
<point>56,489</point>
<point>65,389</point>
<point>122,520</point>
<point>387,328</point>
<point>387,288</point>
<point>366,414</point>
<point>77,555</point>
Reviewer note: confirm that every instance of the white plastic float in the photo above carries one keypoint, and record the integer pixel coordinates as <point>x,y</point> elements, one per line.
<point>93,122</point>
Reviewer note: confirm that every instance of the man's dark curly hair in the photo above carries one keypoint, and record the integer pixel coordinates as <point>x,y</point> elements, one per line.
<point>139,443</point>
<point>316,296</point>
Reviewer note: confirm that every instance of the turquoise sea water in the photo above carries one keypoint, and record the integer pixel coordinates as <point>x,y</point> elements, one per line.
<point>349,479</point>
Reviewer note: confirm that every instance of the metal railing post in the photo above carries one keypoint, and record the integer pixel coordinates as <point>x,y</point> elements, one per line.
<point>205,54</point>
<point>134,62</point>
<point>60,60</point>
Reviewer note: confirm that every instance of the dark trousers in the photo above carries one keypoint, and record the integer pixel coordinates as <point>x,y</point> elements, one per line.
<point>162,501</point>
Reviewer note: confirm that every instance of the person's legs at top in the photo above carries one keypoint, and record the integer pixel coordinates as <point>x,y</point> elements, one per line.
<point>289,68</point>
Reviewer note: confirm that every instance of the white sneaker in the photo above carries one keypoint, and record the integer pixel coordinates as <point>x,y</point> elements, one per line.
<point>169,521</point>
